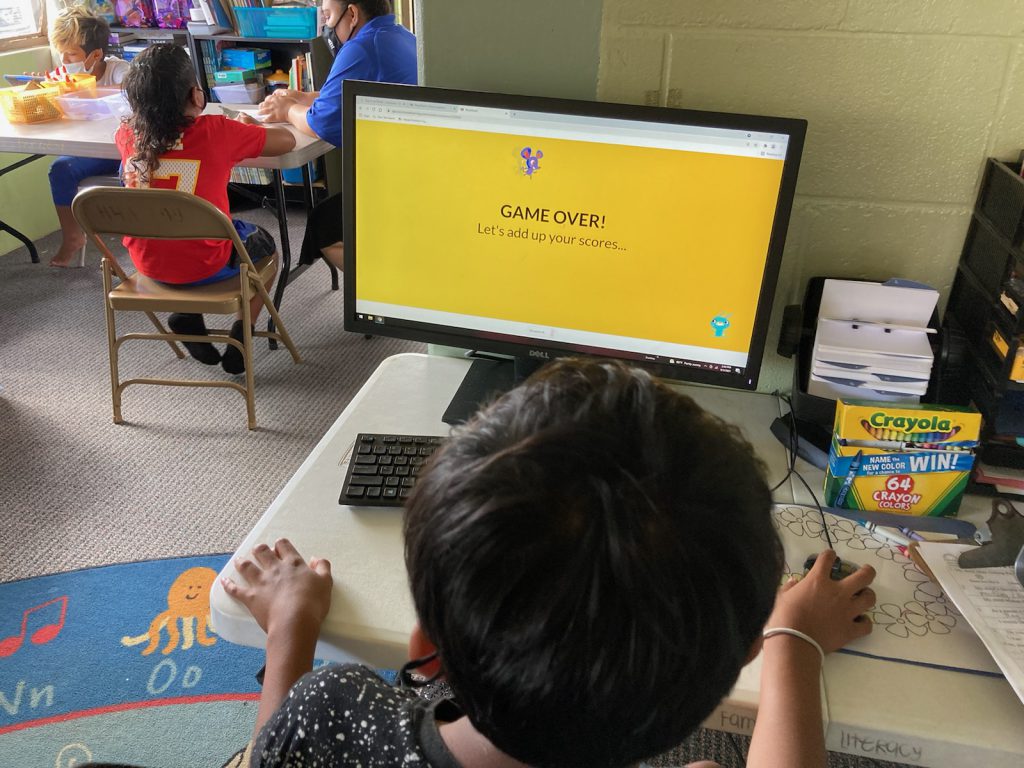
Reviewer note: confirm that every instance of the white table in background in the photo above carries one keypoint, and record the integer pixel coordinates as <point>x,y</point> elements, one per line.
<point>95,138</point>
<point>948,718</point>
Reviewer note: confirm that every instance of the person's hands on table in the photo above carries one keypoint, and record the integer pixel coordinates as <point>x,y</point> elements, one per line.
<point>275,107</point>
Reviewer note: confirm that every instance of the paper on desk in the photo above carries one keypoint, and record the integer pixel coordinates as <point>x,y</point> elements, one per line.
<point>235,110</point>
<point>913,620</point>
<point>990,599</point>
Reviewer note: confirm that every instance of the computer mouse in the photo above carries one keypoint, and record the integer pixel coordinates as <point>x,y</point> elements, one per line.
<point>840,568</point>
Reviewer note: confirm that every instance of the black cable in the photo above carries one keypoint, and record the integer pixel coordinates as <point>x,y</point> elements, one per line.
<point>736,748</point>
<point>791,448</point>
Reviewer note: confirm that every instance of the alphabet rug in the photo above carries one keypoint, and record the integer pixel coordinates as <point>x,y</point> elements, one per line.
<point>118,664</point>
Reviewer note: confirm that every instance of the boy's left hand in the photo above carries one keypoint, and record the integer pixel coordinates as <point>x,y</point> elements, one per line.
<point>282,590</point>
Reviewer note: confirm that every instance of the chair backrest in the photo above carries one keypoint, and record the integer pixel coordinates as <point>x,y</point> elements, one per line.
<point>161,214</point>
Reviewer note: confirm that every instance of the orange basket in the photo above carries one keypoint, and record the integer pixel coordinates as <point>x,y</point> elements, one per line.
<point>78,83</point>
<point>34,106</point>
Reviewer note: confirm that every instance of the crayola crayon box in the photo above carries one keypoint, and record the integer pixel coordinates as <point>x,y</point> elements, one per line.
<point>902,458</point>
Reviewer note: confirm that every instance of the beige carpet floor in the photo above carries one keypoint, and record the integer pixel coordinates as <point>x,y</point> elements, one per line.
<point>183,476</point>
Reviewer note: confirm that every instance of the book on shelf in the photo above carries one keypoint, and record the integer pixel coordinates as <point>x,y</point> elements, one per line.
<point>203,28</point>
<point>217,14</point>
<point>300,76</point>
<point>251,176</point>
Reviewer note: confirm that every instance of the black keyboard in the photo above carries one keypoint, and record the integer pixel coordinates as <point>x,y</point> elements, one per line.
<point>382,470</point>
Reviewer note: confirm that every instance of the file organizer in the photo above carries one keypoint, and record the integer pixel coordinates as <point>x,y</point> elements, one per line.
<point>872,341</point>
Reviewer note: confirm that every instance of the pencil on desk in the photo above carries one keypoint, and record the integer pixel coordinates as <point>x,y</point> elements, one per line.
<point>886,534</point>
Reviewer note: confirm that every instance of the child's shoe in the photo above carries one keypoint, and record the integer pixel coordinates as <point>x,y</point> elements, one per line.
<point>232,361</point>
<point>193,325</point>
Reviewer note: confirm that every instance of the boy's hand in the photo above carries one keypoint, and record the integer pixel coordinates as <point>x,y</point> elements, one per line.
<point>282,591</point>
<point>244,117</point>
<point>832,612</point>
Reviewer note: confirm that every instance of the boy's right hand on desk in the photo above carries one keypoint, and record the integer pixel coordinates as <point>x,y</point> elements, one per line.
<point>830,611</point>
<point>282,591</point>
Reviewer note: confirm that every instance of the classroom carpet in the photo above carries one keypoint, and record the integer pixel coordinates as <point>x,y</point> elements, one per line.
<point>118,664</point>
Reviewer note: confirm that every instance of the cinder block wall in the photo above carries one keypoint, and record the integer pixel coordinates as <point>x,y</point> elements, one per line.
<point>904,101</point>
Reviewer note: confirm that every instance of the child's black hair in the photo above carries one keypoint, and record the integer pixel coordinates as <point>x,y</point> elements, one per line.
<point>158,86</point>
<point>594,557</point>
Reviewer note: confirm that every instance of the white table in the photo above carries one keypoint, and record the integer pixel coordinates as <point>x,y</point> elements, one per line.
<point>95,138</point>
<point>878,709</point>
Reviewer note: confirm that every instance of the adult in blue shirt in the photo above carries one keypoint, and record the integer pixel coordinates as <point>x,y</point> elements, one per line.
<point>373,47</point>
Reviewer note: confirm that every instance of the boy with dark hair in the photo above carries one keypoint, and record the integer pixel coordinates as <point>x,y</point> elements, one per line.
<point>592,562</point>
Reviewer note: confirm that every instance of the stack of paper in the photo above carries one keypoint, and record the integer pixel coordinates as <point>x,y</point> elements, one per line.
<point>872,342</point>
<point>992,602</point>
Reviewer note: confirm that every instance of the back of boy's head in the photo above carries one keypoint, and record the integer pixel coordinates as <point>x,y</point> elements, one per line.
<point>593,556</point>
<point>78,26</point>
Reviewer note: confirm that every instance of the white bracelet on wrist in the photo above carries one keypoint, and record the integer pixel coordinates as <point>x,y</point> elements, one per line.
<point>772,631</point>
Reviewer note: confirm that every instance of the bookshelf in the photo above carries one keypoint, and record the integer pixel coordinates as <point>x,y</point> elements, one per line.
<point>205,50</point>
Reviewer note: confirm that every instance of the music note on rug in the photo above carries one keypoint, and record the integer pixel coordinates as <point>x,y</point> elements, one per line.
<point>44,634</point>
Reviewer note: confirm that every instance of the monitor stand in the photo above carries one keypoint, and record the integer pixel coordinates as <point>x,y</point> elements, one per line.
<point>486,379</point>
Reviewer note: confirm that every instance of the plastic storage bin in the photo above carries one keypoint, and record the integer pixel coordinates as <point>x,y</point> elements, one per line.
<point>289,23</point>
<point>246,93</point>
<point>35,106</point>
<point>108,102</point>
<point>72,84</point>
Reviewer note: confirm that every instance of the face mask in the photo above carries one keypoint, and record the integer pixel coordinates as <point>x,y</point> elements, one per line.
<point>75,67</point>
<point>331,37</point>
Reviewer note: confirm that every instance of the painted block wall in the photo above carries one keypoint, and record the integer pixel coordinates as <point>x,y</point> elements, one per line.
<point>25,193</point>
<point>534,47</point>
<point>904,100</point>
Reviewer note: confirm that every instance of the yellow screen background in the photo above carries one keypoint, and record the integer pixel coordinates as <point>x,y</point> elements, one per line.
<point>690,229</point>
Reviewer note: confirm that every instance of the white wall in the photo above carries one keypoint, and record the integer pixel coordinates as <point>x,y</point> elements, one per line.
<point>904,101</point>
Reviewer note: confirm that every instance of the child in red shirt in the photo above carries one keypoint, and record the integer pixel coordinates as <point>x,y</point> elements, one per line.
<point>168,143</point>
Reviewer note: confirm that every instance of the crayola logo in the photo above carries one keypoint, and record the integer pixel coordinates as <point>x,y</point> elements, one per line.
<point>930,429</point>
<point>909,423</point>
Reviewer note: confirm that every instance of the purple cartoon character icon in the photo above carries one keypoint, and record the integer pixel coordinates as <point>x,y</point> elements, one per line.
<point>531,161</point>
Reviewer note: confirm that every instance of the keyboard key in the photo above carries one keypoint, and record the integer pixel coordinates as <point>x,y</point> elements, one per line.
<point>356,492</point>
<point>366,460</point>
<point>364,470</point>
<point>390,493</point>
<point>373,493</point>
<point>363,480</point>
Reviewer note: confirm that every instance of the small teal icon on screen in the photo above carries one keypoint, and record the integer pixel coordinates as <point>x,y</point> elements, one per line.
<point>531,160</point>
<point>719,324</point>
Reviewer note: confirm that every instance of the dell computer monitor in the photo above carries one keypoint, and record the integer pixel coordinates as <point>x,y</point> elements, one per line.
<point>536,227</point>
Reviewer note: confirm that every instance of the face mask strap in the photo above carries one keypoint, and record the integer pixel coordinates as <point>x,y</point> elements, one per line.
<point>405,678</point>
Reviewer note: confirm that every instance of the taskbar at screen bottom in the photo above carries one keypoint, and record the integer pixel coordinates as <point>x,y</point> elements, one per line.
<point>388,326</point>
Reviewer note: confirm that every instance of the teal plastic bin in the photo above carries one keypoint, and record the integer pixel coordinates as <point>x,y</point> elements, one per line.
<point>290,23</point>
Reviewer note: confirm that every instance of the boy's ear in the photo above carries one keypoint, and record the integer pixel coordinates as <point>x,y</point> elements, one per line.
<point>755,648</point>
<point>419,646</point>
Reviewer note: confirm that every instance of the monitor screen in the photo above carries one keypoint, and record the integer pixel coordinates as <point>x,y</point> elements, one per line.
<point>537,227</point>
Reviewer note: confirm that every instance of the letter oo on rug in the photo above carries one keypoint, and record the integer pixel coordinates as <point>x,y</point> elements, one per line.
<point>188,601</point>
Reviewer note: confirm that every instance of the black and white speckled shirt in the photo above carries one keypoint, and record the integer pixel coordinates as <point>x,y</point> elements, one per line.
<point>345,715</point>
